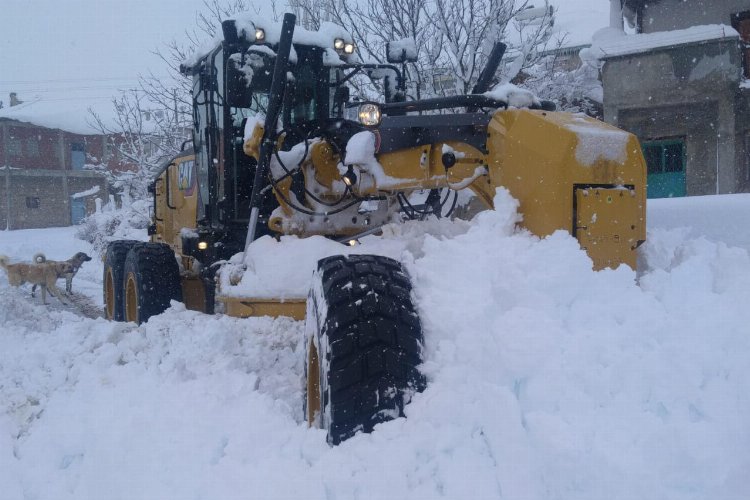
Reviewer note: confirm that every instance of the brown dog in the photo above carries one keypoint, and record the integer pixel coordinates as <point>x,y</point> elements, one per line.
<point>43,275</point>
<point>64,268</point>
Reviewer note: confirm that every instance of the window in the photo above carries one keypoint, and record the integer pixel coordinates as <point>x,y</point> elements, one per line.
<point>78,155</point>
<point>32,202</point>
<point>32,146</point>
<point>741,22</point>
<point>444,82</point>
<point>14,147</point>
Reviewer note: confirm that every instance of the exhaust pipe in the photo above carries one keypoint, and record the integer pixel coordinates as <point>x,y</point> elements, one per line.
<point>485,78</point>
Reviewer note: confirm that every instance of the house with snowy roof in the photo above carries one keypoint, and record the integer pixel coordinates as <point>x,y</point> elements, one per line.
<point>680,83</point>
<point>48,155</point>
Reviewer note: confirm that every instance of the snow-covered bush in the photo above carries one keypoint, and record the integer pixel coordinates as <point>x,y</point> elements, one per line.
<point>127,223</point>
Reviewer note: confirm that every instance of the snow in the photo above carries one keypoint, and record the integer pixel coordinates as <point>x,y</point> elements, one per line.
<point>610,42</point>
<point>256,120</point>
<point>514,96</point>
<point>360,152</point>
<point>248,22</point>
<point>71,116</point>
<point>405,49</point>
<point>86,193</point>
<point>360,149</point>
<point>546,380</point>
<point>598,141</point>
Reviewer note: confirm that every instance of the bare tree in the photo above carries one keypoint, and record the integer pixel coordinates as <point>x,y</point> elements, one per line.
<point>141,137</point>
<point>453,37</point>
<point>151,122</point>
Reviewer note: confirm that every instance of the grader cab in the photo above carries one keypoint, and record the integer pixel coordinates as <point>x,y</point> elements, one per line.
<point>282,147</point>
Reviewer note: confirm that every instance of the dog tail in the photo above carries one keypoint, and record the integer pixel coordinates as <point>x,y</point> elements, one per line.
<point>39,258</point>
<point>4,261</point>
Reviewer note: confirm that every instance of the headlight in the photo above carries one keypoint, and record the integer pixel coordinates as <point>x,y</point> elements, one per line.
<point>338,44</point>
<point>202,245</point>
<point>260,34</point>
<point>349,48</point>
<point>369,114</point>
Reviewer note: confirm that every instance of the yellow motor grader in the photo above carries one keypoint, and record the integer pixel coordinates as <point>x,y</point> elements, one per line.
<point>281,147</point>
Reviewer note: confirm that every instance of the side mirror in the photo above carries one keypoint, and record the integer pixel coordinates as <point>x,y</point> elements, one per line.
<point>401,51</point>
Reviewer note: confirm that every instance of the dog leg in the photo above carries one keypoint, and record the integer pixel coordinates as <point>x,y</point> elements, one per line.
<point>33,290</point>
<point>57,293</point>
<point>69,284</point>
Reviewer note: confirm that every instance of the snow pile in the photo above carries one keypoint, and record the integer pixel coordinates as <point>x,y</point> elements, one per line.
<point>273,268</point>
<point>110,223</point>
<point>546,381</point>
<point>717,218</point>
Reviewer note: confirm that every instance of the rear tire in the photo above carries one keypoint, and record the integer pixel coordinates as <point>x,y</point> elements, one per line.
<point>151,281</point>
<point>114,267</point>
<point>363,345</point>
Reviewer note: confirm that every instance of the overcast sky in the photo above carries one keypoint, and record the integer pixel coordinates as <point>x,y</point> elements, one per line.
<point>84,49</point>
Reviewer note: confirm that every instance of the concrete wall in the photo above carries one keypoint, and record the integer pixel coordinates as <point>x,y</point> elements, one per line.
<point>689,92</point>
<point>52,188</point>
<point>742,140</point>
<point>668,15</point>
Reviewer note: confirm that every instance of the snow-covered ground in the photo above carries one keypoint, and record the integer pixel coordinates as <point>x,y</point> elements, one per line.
<point>546,380</point>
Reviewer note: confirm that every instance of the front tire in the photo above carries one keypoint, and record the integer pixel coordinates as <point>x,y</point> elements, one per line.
<point>151,281</point>
<point>363,345</point>
<point>114,267</point>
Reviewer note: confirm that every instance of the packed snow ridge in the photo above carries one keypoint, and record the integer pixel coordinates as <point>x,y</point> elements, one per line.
<point>547,380</point>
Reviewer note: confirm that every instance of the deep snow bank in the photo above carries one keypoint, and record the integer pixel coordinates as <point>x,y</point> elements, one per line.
<point>546,380</point>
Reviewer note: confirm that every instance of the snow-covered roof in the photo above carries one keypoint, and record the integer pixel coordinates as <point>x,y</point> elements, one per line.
<point>614,43</point>
<point>71,116</point>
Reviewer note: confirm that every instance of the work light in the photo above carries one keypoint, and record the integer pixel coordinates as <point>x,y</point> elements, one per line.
<point>369,114</point>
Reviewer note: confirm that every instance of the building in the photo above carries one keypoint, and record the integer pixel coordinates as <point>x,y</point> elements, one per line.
<point>680,84</point>
<point>46,157</point>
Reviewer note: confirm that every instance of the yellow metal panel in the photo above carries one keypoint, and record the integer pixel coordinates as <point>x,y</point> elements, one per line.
<point>534,155</point>
<point>194,294</point>
<point>607,225</point>
<point>247,307</point>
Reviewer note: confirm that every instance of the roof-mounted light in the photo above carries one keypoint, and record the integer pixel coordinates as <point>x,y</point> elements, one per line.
<point>349,48</point>
<point>260,34</point>
<point>338,44</point>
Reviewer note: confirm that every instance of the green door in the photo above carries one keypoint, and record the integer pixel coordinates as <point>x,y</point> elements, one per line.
<point>666,168</point>
<point>77,210</point>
